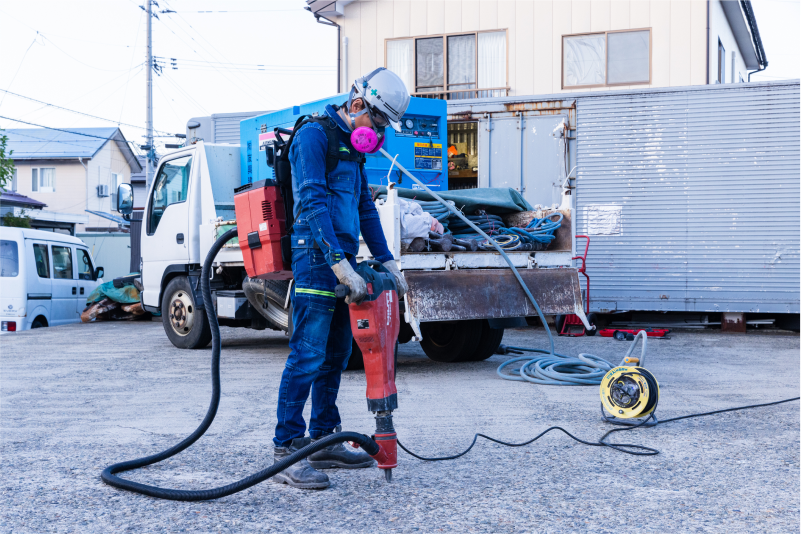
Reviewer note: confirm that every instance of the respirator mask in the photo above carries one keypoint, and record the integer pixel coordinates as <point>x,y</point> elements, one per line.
<point>364,139</point>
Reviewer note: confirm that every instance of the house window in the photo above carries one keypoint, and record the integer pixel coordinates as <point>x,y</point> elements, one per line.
<point>14,180</point>
<point>733,56</point>
<point>608,58</point>
<point>43,180</point>
<point>721,63</point>
<point>464,65</point>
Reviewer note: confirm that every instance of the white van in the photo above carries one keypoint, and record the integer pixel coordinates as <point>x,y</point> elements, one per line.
<point>44,278</point>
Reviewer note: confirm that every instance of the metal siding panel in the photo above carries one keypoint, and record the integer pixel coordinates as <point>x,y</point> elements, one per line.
<point>708,182</point>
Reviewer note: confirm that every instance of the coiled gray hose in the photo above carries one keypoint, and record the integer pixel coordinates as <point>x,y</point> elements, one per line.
<point>560,370</point>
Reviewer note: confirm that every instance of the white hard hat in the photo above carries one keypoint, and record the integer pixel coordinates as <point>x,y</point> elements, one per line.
<point>383,91</point>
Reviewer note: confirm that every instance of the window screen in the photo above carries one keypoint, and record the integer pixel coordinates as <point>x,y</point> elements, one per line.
<point>629,57</point>
<point>62,263</point>
<point>34,180</point>
<point>430,65</point>
<point>85,269</point>
<point>462,63</point>
<point>9,258</point>
<point>172,185</point>
<point>42,259</point>
<point>585,60</point>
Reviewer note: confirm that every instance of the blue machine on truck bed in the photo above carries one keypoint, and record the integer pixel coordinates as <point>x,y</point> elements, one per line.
<point>421,146</point>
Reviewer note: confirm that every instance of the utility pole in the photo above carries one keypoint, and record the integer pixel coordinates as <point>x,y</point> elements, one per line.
<point>149,96</point>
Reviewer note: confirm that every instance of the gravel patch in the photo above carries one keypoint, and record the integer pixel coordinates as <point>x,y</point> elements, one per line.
<point>75,399</point>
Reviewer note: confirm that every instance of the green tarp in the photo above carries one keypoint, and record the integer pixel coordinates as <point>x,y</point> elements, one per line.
<point>127,294</point>
<point>497,200</point>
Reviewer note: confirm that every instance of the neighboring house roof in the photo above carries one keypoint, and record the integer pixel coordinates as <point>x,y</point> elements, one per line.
<point>141,176</point>
<point>40,143</point>
<point>11,198</point>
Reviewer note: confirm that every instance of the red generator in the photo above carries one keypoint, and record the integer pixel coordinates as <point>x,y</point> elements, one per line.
<point>261,223</point>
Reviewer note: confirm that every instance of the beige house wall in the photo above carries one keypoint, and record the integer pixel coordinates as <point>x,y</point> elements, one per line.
<point>535,30</point>
<point>71,193</point>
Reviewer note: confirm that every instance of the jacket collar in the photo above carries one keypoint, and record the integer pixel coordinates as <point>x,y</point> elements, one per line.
<point>332,111</point>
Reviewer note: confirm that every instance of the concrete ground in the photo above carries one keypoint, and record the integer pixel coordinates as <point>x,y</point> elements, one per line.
<point>78,398</point>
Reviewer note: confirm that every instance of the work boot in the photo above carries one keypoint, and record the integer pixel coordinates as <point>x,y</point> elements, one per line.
<point>300,475</point>
<point>340,455</point>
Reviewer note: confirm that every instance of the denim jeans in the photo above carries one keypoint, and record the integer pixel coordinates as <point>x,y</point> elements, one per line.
<point>319,350</point>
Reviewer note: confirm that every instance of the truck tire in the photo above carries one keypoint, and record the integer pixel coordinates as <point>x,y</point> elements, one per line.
<point>185,325</point>
<point>559,322</point>
<point>356,360</point>
<point>451,342</point>
<point>488,343</point>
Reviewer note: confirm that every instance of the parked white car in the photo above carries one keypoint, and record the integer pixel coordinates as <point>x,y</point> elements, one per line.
<point>44,279</point>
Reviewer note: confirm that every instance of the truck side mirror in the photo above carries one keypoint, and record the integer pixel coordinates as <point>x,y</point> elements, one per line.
<point>125,199</point>
<point>99,272</point>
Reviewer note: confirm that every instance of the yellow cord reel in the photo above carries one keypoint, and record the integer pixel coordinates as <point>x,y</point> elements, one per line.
<point>629,392</point>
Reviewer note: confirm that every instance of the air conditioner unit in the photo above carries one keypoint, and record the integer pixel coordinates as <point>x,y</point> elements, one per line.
<point>102,191</point>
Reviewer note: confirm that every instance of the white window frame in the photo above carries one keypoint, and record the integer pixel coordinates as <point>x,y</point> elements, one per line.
<point>36,180</point>
<point>606,66</point>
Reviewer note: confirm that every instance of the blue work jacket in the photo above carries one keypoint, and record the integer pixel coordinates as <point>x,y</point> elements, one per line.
<point>332,210</point>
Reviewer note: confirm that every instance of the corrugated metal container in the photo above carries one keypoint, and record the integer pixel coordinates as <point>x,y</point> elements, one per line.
<point>691,198</point>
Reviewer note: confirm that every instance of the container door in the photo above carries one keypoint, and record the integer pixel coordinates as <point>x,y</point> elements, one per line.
<point>65,285</point>
<point>12,280</point>
<point>38,272</point>
<point>165,236</point>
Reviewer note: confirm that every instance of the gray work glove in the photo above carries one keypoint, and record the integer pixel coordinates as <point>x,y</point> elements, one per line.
<point>400,280</point>
<point>346,275</point>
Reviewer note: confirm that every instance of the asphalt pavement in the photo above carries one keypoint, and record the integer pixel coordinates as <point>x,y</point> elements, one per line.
<point>76,398</point>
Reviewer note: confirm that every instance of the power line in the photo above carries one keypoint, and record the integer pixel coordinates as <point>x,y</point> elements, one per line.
<point>76,112</point>
<point>60,130</point>
<point>20,66</point>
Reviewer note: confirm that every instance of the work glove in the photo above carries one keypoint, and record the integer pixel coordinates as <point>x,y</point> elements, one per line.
<point>346,275</point>
<point>400,280</point>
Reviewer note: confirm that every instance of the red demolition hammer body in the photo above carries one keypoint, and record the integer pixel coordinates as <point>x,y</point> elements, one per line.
<point>375,323</point>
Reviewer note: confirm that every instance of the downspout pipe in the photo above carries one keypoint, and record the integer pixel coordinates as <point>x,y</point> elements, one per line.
<point>748,10</point>
<point>707,42</point>
<point>329,22</point>
<point>86,171</point>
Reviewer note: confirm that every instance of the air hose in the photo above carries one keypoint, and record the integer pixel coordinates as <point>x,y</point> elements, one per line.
<point>109,474</point>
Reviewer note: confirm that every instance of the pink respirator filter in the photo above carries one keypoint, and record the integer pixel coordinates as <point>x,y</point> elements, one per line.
<point>366,140</point>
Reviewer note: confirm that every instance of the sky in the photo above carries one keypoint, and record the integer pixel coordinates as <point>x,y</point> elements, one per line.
<point>88,56</point>
<point>231,55</point>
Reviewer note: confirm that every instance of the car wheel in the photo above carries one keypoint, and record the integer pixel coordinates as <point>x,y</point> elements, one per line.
<point>452,341</point>
<point>39,323</point>
<point>185,325</point>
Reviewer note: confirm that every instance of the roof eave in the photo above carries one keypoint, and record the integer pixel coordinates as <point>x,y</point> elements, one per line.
<point>739,27</point>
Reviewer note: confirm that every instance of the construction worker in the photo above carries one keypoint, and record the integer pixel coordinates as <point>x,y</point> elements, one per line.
<point>331,210</point>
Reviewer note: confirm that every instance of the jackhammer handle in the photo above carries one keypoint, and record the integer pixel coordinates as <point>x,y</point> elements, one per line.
<point>341,291</point>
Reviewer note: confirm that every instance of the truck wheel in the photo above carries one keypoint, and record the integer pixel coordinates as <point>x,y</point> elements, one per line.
<point>559,322</point>
<point>39,322</point>
<point>450,342</point>
<point>490,341</point>
<point>185,325</point>
<point>356,360</point>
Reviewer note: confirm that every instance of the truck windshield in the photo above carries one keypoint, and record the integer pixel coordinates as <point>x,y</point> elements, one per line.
<point>9,258</point>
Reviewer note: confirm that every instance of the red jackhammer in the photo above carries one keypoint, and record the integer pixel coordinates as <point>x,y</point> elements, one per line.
<point>375,323</point>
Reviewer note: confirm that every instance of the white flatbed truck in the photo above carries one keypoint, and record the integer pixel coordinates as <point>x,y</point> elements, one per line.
<point>458,302</point>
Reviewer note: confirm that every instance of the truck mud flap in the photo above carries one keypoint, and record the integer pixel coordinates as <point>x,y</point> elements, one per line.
<point>490,293</point>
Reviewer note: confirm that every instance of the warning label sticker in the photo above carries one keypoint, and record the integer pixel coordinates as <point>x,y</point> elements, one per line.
<point>268,138</point>
<point>428,156</point>
<point>362,324</point>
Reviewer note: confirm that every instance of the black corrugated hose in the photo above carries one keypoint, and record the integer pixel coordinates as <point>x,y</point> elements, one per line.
<point>109,474</point>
